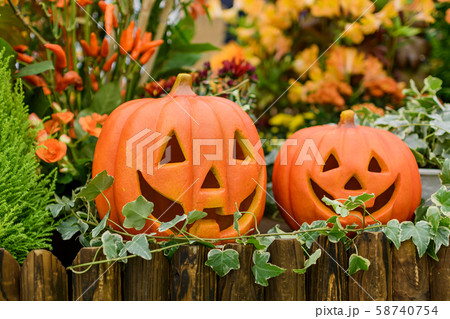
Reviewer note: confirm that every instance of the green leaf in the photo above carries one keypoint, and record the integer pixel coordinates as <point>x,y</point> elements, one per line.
<point>68,228</point>
<point>432,84</point>
<point>358,199</point>
<point>112,244</point>
<point>173,222</point>
<point>309,262</point>
<point>262,269</point>
<point>35,68</point>
<point>260,243</point>
<point>335,234</point>
<point>195,47</point>
<point>100,225</point>
<point>276,230</point>
<point>433,217</point>
<point>55,209</point>
<point>106,99</point>
<point>137,212</point>
<point>441,237</point>
<point>179,60</point>
<point>442,198</point>
<point>445,174</point>
<point>392,232</point>
<point>223,261</point>
<point>9,52</point>
<point>195,215</point>
<point>98,184</point>
<point>357,263</point>
<point>139,246</point>
<point>337,206</point>
<point>420,233</point>
<point>236,216</point>
<point>169,252</point>
<point>38,102</point>
<point>310,237</point>
<point>82,226</point>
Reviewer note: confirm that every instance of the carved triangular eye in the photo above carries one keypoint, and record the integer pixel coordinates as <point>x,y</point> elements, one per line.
<point>374,166</point>
<point>240,149</point>
<point>172,152</point>
<point>330,163</point>
<point>211,180</point>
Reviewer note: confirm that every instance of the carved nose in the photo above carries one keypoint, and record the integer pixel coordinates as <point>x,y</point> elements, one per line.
<point>353,184</point>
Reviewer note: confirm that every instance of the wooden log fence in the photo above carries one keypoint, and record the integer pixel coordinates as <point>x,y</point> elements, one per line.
<point>393,275</point>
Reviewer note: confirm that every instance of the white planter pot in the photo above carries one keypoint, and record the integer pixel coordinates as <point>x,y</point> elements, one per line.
<point>430,181</point>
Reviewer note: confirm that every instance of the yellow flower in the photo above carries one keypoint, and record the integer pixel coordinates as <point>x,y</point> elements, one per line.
<point>297,121</point>
<point>325,8</point>
<point>424,9</point>
<point>245,34</point>
<point>290,7</point>
<point>386,14</point>
<point>269,36</point>
<point>280,119</point>
<point>344,61</point>
<point>228,52</point>
<point>253,8</point>
<point>271,16</point>
<point>369,24</point>
<point>354,33</point>
<point>306,59</point>
<point>296,92</point>
<point>356,7</point>
<point>309,115</point>
<point>274,129</point>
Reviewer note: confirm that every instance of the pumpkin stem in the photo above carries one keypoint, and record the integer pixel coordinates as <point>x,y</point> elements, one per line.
<point>182,85</point>
<point>347,118</point>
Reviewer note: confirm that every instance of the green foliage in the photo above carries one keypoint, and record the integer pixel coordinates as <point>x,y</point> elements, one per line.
<point>24,194</point>
<point>222,261</point>
<point>356,263</point>
<point>423,123</point>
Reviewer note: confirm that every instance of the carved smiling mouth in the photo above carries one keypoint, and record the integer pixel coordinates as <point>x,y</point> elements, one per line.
<point>380,200</point>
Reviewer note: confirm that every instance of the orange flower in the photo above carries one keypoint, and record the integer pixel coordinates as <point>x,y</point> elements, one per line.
<point>89,123</point>
<point>41,136</point>
<point>52,126</point>
<point>447,16</point>
<point>72,133</point>
<point>228,52</point>
<point>64,117</point>
<point>386,85</point>
<point>371,107</point>
<point>51,150</point>
<point>34,120</point>
<point>197,8</point>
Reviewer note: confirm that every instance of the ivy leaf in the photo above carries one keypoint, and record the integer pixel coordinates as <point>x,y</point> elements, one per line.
<point>442,198</point>
<point>276,230</point>
<point>355,201</point>
<point>173,222</point>
<point>139,246</point>
<point>98,184</point>
<point>260,243</point>
<point>445,174</point>
<point>169,252</point>
<point>441,237</point>
<point>262,269</point>
<point>68,228</point>
<point>195,215</point>
<point>55,209</point>
<point>83,226</point>
<point>433,217</point>
<point>335,234</point>
<point>310,237</point>
<point>392,232</point>
<point>236,216</point>
<point>432,84</point>
<point>136,213</point>
<point>338,207</point>
<point>357,263</point>
<point>111,244</point>
<point>420,233</point>
<point>309,262</point>
<point>223,261</point>
<point>100,226</point>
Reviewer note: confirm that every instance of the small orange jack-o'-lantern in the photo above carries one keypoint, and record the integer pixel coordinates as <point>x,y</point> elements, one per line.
<point>357,159</point>
<point>183,152</point>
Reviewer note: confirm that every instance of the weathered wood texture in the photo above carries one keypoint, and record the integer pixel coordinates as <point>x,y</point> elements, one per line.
<point>100,282</point>
<point>240,284</point>
<point>43,277</point>
<point>147,279</point>
<point>190,278</point>
<point>288,254</point>
<point>327,280</point>
<point>440,276</point>
<point>9,277</point>
<point>375,284</point>
<point>410,274</point>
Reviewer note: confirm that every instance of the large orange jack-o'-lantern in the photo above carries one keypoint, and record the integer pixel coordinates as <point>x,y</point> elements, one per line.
<point>357,159</point>
<point>183,152</point>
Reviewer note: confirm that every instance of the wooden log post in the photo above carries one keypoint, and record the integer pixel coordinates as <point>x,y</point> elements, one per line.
<point>43,278</point>
<point>190,278</point>
<point>147,279</point>
<point>375,283</point>
<point>9,277</point>
<point>288,254</point>
<point>101,282</point>
<point>327,280</point>
<point>440,276</point>
<point>410,274</point>
<point>239,285</point>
